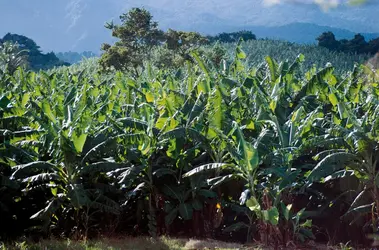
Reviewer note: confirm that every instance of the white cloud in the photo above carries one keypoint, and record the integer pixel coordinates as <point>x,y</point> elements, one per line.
<point>74,11</point>
<point>324,4</point>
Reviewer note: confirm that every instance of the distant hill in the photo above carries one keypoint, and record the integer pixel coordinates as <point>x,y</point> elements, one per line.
<point>305,33</point>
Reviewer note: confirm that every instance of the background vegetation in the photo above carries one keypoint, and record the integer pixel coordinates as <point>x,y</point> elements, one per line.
<point>357,45</point>
<point>75,57</point>
<point>34,59</point>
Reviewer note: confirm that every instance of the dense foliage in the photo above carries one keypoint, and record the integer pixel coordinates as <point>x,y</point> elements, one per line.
<point>36,60</point>
<point>232,37</point>
<point>356,45</point>
<point>11,57</point>
<point>266,151</point>
<point>316,56</point>
<point>138,36</point>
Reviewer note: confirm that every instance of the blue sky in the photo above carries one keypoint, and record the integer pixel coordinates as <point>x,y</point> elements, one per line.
<point>78,25</point>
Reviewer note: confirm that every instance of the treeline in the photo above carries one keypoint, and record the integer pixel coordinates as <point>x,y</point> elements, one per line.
<point>356,45</point>
<point>34,58</point>
<point>232,37</point>
<point>75,57</point>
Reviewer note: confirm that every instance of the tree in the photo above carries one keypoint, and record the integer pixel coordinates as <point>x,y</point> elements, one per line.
<point>328,40</point>
<point>373,46</point>
<point>356,45</point>
<point>137,34</point>
<point>36,59</point>
<point>183,42</point>
<point>245,35</point>
<point>233,37</point>
<point>23,43</point>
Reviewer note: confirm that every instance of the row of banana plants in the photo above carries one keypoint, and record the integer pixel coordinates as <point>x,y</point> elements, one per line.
<point>211,149</point>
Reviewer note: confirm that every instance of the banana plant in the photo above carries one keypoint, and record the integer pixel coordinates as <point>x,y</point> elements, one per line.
<point>75,143</point>
<point>14,135</point>
<point>245,156</point>
<point>146,134</point>
<point>68,154</point>
<point>183,200</point>
<point>279,121</point>
<point>11,57</point>
<point>351,145</point>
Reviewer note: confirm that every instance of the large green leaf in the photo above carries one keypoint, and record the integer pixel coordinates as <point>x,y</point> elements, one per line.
<point>331,164</point>
<point>100,167</point>
<point>201,65</point>
<point>216,114</point>
<point>4,101</point>
<point>240,54</point>
<point>206,193</point>
<point>79,142</point>
<point>271,215</point>
<point>286,210</point>
<point>197,205</point>
<point>38,178</point>
<point>249,154</point>
<point>253,205</point>
<point>48,112</point>
<point>171,216</point>
<point>333,99</point>
<point>217,181</point>
<point>205,168</point>
<point>361,210</point>
<point>185,211</point>
<point>22,171</point>
<point>48,211</point>
<point>174,192</point>
<point>133,123</point>
<point>272,68</point>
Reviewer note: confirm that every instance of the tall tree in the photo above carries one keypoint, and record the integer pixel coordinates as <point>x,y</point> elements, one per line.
<point>36,59</point>
<point>136,35</point>
<point>356,45</point>
<point>23,42</point>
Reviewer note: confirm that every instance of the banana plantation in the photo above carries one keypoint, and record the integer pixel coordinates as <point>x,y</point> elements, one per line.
<point>234,152</point>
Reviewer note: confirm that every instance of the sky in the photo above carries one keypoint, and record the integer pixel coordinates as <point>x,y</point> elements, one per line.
<point>78,25</point>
